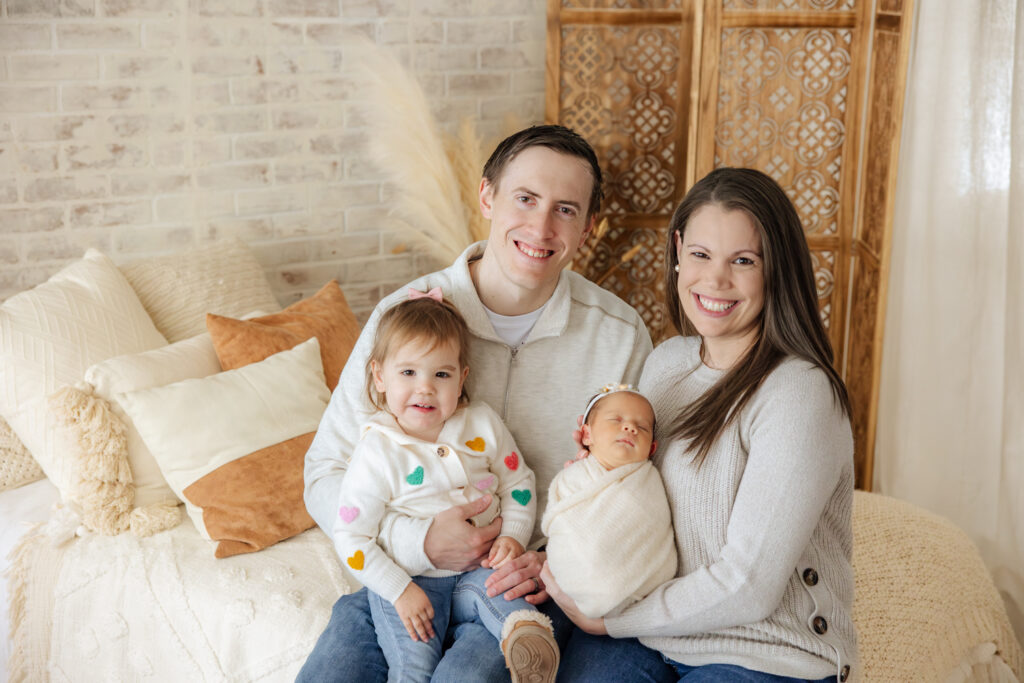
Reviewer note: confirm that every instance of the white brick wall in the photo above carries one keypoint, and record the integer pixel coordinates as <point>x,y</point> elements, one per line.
<point>146,126</point>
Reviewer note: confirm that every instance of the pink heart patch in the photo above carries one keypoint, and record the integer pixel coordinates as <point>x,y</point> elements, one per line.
<point>485,483</point>
<point>347,514</point>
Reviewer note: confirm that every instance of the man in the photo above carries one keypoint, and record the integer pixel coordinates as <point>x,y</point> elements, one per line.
<point>543,340</point>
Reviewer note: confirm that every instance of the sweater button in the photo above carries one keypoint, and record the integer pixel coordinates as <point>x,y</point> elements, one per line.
<point>442,451</point>
<point>844,673</point>
<point>810,577</point>
<point>820,625</point>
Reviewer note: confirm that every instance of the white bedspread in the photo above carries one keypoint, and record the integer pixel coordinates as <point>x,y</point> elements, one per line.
<point>163,608</point>
<point>20,509</point>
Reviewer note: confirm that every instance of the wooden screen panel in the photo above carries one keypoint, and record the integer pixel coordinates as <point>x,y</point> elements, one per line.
<point>782,105</point>
<point>886,83</point>
<point>771,84</point>
<point>622,4</point>
<point>621,78</point>
<point>789,5</point>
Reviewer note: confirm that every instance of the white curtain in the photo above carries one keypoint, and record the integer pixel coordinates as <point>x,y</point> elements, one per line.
<point>951,411</point>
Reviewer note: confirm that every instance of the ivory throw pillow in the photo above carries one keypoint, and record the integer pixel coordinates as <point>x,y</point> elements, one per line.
<point>187,359</point>
<point>180,289</point>
<point>17,466</point>
<point>49,335</point>
<point>325,315</point>
<point>231,445</point>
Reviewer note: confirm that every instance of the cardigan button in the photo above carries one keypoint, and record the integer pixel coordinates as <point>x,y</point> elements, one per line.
<point>442,451</point>
<point>820,625</point>
<point>844,673</point>
<point>810,577</point>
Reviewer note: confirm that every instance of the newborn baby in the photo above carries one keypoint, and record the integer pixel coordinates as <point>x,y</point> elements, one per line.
<point>608,524</point>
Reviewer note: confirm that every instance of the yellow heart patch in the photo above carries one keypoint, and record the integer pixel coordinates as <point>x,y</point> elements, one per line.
<point>356,561</point>
<point>477,444</point>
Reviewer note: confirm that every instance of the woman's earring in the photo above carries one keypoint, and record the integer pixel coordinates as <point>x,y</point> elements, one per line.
<point>676,268</point>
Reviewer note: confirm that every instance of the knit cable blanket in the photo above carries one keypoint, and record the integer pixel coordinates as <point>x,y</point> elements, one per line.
<point>925,605</point>
<point>162,608</point>
<point>610,539</point>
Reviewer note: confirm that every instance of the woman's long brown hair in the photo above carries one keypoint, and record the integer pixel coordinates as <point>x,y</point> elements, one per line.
<point>789,324</point>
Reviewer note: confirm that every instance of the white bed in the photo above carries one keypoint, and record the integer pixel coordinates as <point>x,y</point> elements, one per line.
<point>20,509</point>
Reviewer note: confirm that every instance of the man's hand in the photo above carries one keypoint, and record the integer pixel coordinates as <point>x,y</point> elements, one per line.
<point>454,544</point>
<point>417,614</point>
<point>518,578</point>
<point>586,624</point>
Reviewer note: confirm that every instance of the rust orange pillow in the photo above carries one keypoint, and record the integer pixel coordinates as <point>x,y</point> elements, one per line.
<point>325,315</point>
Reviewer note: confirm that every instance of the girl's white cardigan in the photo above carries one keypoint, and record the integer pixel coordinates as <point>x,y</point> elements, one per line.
<point>390,470</point>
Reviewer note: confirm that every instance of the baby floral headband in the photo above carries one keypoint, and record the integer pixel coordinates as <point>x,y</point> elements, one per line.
<point>608,390</point>
<point>434,294</point>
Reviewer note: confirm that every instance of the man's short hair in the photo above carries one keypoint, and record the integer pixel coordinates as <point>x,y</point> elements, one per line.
<point>555,137</point>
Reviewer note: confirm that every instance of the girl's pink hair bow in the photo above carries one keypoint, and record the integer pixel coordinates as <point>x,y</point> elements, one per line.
<point>434,294</point>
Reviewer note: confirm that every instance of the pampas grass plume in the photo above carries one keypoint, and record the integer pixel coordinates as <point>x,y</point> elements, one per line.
<point>406,144</point>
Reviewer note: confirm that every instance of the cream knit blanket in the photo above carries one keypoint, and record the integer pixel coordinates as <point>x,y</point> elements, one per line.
<point>925,605</point>
<point>109,608</point>
<point>609,532</point>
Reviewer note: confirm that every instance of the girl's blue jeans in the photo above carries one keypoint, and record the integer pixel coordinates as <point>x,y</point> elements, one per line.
<point>456,600</point>
<point>349,648</point>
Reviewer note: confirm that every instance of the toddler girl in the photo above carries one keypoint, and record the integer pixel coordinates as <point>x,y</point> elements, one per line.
<point>426,449</point>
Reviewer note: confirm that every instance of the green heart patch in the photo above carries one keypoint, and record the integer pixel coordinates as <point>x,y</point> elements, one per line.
<point>416,477</point>
<point>522,496</point>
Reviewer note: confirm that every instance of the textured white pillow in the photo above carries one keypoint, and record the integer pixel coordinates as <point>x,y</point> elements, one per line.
<point>187,359</point>
<point>50,334</point>
<point>180,289</point>
<point>17,466</point>
<point>195,426</point>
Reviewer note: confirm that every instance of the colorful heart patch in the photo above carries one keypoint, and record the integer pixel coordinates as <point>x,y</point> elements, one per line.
<point>522,496</point>
<point>512,461</point>
<point>415,477</point>
<point>356,561</point>
<point>485,483</point>
<point>477,444</point>
<point>347,514</point>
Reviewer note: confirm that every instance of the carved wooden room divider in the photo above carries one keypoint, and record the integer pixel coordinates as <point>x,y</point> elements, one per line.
<point>808,91</point>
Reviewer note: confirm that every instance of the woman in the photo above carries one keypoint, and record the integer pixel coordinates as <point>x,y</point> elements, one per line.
<point>757,460</point>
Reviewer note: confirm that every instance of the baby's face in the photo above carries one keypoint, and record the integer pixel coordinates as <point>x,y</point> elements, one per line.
<point>620,430</point>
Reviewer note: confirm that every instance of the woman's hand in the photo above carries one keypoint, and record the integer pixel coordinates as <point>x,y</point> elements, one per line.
<point>518,578</point>
<point>586,624</point>
<point>417,614</point>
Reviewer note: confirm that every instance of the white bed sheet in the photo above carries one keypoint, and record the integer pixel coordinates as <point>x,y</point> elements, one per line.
<point>20,508</point>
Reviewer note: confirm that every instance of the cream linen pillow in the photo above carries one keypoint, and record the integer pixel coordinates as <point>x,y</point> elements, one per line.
<point>180,289</point>
<point>187,359</point>
<point>50,334</point>
<point>231,445</point>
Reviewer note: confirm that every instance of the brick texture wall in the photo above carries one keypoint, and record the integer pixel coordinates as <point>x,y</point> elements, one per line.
<point>141,127</point>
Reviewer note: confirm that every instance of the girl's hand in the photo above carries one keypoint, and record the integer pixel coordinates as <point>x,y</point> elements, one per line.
<point>416,612</point>
<point>587,624</point>
<point>505,548</point>
<point>519,578</point>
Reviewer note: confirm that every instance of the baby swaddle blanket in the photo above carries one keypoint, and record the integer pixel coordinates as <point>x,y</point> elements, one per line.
<point>610,539</point>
